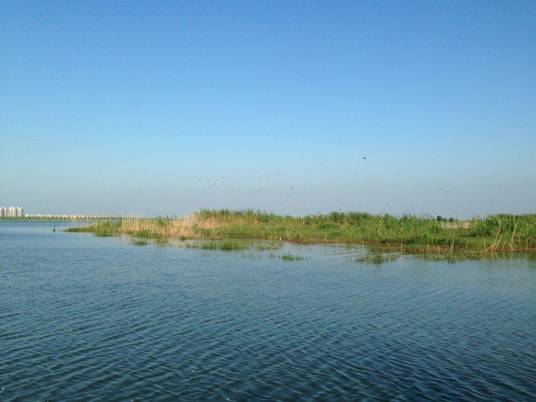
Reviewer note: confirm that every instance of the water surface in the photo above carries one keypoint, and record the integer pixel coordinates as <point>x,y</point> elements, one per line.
<point>93,319</point>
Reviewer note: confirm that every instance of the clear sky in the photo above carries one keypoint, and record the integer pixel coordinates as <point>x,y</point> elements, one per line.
<point>155,107</point>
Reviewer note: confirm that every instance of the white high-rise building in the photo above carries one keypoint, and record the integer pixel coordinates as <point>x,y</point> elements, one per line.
<point>11,212</point>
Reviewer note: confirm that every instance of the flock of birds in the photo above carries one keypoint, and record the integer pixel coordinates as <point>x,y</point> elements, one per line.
<point>262,186</point>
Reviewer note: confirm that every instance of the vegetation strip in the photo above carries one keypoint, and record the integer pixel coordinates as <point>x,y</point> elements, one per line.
<point>476,238</point>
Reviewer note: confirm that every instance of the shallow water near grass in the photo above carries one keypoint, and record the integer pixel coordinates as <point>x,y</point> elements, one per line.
<point>90,318</point>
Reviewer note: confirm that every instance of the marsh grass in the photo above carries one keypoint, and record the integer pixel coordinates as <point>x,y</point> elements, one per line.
<point>224,245</point>
<point>476,238</point>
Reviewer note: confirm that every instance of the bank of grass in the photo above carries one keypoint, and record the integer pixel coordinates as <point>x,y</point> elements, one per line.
<point>475,238</point>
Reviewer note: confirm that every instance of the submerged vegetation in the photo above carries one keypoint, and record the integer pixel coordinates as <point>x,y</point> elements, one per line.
<point>433,236</point>
<point>291,257</point>
<point>377,258</point>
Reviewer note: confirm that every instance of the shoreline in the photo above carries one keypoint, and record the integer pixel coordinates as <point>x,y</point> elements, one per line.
<point>407,235</point>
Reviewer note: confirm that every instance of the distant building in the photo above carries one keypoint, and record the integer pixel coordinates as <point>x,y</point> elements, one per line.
<point>11,212</point>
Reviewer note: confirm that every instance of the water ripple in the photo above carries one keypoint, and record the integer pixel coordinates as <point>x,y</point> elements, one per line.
<point>86,318</point>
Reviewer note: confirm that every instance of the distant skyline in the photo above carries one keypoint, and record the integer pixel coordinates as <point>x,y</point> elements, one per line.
<point>161,108</point>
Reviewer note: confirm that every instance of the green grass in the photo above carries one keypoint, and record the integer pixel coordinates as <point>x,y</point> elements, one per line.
<point>101,228</point>
<point>475,238</point>
<point>225,245</point>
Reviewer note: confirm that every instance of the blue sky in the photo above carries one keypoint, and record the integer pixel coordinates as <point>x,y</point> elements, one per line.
<point>165,107</point>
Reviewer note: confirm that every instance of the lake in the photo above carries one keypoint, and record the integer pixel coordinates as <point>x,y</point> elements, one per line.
<point>100,319</point>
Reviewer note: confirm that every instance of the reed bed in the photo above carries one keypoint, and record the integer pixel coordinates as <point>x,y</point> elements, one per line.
<point>479,237</point>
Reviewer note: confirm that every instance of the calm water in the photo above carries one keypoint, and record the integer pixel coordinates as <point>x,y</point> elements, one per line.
<point>99,319</point>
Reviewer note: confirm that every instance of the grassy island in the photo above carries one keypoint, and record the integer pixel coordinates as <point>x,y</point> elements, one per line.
<point>475,238</point>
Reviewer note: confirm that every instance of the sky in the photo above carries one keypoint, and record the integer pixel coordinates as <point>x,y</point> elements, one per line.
<point>293,107</point>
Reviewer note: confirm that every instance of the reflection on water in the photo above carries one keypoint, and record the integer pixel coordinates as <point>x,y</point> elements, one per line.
<point>88,318</point>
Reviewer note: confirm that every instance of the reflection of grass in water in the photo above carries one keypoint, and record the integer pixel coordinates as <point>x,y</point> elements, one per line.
<point>291,257</point>
<point>268,246</point>
<point>377,258</point>
<point>452,258</point>
<point>139,242</point>
<point>161,242</point>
